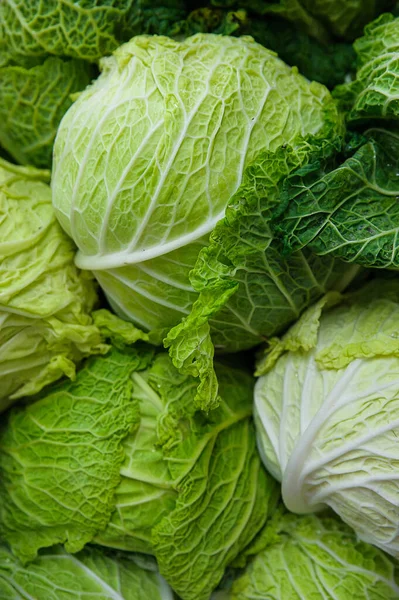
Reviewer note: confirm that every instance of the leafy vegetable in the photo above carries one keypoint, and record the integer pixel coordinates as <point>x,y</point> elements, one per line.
<point>326,410</point>
<point>129,463</point>
<point>248,289</point>
<point>88,29</point>
<point>374,92</point>
<point>141,207</point>
<point>316,557</point>
<point>350,212</point>
<point>32,103</point>
<point>56,575</point>
<point>45,303</point>
<point>59,488</point>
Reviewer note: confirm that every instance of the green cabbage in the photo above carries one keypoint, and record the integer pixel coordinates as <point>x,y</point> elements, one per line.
<point>148,157</point>
<point>56,575</point>
<point>45,303</point>
<point>121,457</point>
<point>327,411</point>
<point>374,92</point>
<point>86,29</point>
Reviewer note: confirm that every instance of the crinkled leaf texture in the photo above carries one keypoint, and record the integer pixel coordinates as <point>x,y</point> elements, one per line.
<point>316,557</point>
<point>328,64</point>
<point>193,491</point>
<point>350,212</point>
<point>60,457</point>
<point>374,93</point>
<point>248,290</point>
<point>32,104</point>
<point>45,303</point>
<point>123,458</point>
<point>148,157</point>
<point>87,29</point>
<point>327,411</point>
<point>57,575</point>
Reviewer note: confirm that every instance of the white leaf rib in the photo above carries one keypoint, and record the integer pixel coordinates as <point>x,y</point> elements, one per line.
<point>293,478</point>
<point>158,300</point>
<point>99,262</point>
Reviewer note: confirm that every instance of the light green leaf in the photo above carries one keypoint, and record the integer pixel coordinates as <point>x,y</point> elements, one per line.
<point>191,348</point>
<point>316,557</point>
<point>60,457</point>
<point>374,92</point>
<point>87,29</point>
<point>327,416</point>
<point>45,302</point>
<point>190,481</point>
<point>32,104</point>
<point>57,575</point>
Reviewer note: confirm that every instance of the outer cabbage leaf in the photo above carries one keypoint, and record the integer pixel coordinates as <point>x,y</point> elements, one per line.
<point>350,212</point>
<point>87,29</point>
<point>141,200</point>
<point>327,411</point>
<point>32,104</point>
<point>248,289</point>
<point>45,303</point>
<point>192,491</point>
<point>56,575</point>
<point>316,557</point>
<point>60,457</point>
<point>123,458</point>
<point>374,92</point>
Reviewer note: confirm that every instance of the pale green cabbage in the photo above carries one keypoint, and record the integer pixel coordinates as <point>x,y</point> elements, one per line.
<point>45,303</point>
<point>315,557</point>
<point>149,156</point>
<point>327,411</point>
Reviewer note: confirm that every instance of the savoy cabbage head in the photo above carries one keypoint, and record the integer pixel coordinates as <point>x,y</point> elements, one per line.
<point>45,302</point>
<point>122,458</point>
<point>327,411</point>
<point>148,158</point>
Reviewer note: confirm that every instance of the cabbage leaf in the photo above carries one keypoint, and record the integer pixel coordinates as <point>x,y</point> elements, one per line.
<point>315,557</point>
<point>327,411</point>
<point>32,104</point>
<point>349,212</point>
<point>57,575</point>
<point>87,29</point>
<point>123,458</point>
<point>45,303</point>
<point>374,92</point>
<point>60,457</point>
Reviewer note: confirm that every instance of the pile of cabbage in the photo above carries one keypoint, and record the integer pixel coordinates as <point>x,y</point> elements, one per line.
<point>199,300</point>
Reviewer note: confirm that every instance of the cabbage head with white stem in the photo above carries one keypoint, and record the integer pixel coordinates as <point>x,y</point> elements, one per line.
<point>148,157</point>
<point>327,411</point>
